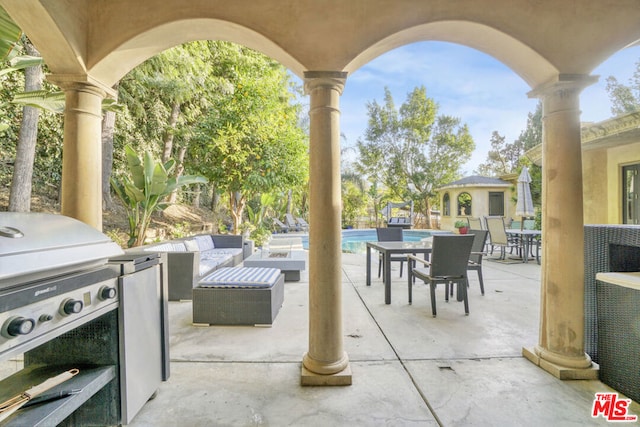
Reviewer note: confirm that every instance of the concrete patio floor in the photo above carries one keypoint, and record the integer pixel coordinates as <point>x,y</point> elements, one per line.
<point>408,367</point>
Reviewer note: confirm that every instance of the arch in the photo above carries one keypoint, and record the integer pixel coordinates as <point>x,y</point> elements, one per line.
<point>446,204</point>
<point>119,60</point>
<point>532,67</point>
<point>464,205</point>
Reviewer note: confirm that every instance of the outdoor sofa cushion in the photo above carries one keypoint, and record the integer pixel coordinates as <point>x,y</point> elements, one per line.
<point>205,242</point>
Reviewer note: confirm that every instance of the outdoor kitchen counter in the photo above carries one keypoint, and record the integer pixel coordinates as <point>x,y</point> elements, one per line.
<point>628,280</point>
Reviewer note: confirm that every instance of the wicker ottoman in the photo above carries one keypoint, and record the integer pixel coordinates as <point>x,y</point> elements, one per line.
<point>239,296</point>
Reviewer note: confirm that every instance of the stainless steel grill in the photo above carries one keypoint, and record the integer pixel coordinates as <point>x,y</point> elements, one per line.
<point>68,296</point>
<point>37,245</point>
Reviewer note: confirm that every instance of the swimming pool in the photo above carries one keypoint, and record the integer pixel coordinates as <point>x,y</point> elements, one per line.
<point>355,241</point>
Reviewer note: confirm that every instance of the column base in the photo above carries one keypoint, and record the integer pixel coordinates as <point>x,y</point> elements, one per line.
<point>340,378</point>
<point>562,372</point>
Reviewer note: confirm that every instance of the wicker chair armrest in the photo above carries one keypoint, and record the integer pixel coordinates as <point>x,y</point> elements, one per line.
<point>415,258</point>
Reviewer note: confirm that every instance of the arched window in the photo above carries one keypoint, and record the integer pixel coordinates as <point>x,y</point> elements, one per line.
<point>464,204</point>
<point>446,205</point>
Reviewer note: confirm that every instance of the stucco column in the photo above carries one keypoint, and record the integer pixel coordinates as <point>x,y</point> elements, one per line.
<point>82,150</point>
<point>560,350</point>
<point>326,362</point>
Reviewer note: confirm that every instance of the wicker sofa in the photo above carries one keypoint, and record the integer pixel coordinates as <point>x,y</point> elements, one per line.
<point>192,258</point>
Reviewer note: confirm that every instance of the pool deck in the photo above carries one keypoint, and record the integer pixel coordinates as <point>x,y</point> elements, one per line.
<point>408,367</point>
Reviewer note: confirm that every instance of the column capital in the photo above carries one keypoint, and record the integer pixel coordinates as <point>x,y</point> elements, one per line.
<point>82,82</point>
<point>327,79</point>
<point>564,85</point>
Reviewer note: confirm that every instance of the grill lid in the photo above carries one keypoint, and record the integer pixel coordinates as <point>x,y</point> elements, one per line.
<point>37,245</point>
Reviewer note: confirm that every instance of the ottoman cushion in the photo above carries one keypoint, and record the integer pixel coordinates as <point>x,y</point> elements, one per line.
<point>241,278</point>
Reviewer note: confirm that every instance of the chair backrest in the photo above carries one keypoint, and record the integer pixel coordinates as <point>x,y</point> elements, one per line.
<point>288,219</point>
<point>450,255</point>
<point>390,234</point>
<point>495,225</point>
<point>479,240</point>
<point>475,223</point>
<point>529,224</point>
<point>515,224</point>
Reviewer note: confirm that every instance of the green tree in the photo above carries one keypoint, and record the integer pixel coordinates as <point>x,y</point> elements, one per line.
<point>624,98</point>
<point>502,158</point>
<point>508,158</point>
<point>250,142</point>
<point>164,99</point>
<point>413,150</point>
<point>31,160</point>
<point>354,202</point>
<point>21,184</point>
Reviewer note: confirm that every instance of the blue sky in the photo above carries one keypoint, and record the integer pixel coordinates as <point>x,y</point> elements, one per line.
<point>468,84</point>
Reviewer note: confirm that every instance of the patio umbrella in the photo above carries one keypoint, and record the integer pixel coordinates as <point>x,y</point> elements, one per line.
<point>524,206</point>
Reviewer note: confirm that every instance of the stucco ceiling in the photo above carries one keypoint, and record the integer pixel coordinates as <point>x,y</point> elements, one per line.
<point>538,39</point>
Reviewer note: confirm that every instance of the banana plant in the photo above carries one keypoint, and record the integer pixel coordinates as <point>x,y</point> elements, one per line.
<point>144,189</point>
<point>10,33</point>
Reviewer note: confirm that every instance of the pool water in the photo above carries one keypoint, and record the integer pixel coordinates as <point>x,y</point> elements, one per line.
<point>355,241</point>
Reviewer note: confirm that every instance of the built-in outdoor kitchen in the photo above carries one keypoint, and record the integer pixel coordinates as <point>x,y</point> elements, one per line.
<point>84,323</point>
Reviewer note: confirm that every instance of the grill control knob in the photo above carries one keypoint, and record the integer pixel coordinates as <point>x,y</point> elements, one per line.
<point>107,292</point>
<point>18,326</point>
<point>71,306</point>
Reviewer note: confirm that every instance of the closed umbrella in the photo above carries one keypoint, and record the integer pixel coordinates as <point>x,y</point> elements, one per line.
<point>524,206</point>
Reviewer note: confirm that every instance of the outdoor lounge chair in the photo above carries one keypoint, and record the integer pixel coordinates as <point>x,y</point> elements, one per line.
<point>282,227</point>
<point>390,235</point>
<point>291,222</point>
<point>304,225</point>
<point>400,222</point>
<point>448,265</point>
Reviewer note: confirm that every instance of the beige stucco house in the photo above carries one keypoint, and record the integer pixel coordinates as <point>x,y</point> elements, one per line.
<point>610,170</point>
<point>476,196</point>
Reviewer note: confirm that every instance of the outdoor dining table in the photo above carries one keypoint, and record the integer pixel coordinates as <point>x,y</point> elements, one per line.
<point>526,237</point>
<point>389,248</point>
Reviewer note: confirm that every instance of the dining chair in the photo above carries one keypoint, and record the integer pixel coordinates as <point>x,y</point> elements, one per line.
<point>390,235</point>
<point>498,235</point>
<point>537,242</point>
<point>475,258</point>
<point>477,252</point>
<point>448,264</point>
